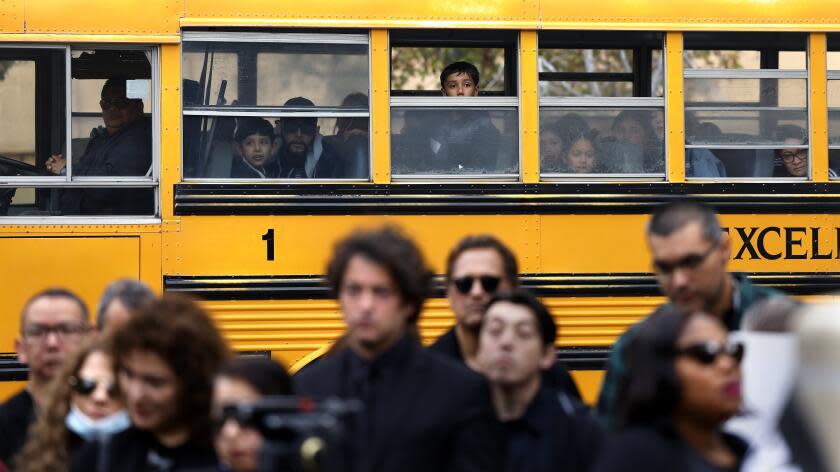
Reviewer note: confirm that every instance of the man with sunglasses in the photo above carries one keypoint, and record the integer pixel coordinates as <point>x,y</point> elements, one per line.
<point>123,147</point>
<point>476,268</point>
<point>690,257</point>
<point>53,324</point>
<point>304,154</point>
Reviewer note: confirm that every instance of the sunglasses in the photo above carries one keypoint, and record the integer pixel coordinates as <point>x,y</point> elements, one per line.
<point>244,417</point>
<point>489,283</point>
<point>119,102</point>
<point>85,387</point>
<point>707,353</point>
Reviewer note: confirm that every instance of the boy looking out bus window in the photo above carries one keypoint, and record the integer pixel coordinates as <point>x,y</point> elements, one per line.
<point>255,144</point>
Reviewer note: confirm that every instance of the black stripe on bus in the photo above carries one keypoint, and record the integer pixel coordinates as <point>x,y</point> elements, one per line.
<point>277,287</point>
<point>483,199</point>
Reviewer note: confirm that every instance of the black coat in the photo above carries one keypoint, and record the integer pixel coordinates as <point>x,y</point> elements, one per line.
<point>647,449</point>
<point>437,416</point>
<point>16,415</point>
<point>558,376</point>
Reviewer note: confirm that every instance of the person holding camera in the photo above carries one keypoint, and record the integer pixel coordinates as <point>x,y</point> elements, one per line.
<point>422,411</point>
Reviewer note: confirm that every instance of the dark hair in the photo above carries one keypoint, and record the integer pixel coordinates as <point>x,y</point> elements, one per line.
<point>635,115</point>
<point>248,125</point>
<point>791,131</point>
<point>522,297</point>
<point>459,67</point>
<point>182,334</point>
<point>649,391</point>
<point>133,294</point>
<point>53,292</point>
<point>676,215</point>
<point>771,315</point>
<point>392,250</point>
<point>267,376</point>
<point>572,135</point>
<point>119,83</point>
<point>484,241</point>
<point>342,124</point>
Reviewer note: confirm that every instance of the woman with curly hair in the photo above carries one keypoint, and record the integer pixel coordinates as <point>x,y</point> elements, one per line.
<point>84,405</point>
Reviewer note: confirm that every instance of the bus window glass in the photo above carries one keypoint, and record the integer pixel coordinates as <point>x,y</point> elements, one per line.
<point>268,74</point>
<point>46,201</point>
<point>461,141</point>
<point>111,113</point>
<point>29,135</point>
<point>746,109</point>
<point>584,132</point>
<point>248,147</point>
<point>604,141</point>
<point>416,70</point>
<point>833,63</point>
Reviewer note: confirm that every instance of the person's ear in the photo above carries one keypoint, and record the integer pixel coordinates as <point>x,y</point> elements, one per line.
<point>20,351</point>
<point>548,358</point>
<point>725,246</point>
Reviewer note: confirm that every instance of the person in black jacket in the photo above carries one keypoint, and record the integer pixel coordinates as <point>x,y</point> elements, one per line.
<point>304,153</point>
<point>545,429</point>
<point>683,382</point>
<point>254,141</point>
<point>476,268</point>
<point>166,357</point>
<point>422,412</point>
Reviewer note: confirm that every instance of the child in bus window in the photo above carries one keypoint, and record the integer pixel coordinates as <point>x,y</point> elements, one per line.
<point>580,155</point>
<point>552,133</point>
<point>254,142</point>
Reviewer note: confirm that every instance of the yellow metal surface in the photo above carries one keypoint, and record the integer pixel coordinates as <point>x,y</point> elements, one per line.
<point>125,17</point>
<point>88,38</point>
<point>589,384</point>
<point>11,16</point>
<point>84,265</point>
<point>369,13</point>
<point>77,230</point>
<point>818,106</point>
<point>674,107</point>
<point>380,118</point>
<point>529,109</point>
<point>170,123</point>
<point>773,15</point>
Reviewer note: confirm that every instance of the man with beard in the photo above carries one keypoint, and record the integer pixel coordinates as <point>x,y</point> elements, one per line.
<point>304,154</point>
<point>478,267</point>
<point>690,256</point>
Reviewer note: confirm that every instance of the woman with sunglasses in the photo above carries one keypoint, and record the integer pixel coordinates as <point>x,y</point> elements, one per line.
<point>245,379</point>
<point>683,382</point>
<point>84,405</point>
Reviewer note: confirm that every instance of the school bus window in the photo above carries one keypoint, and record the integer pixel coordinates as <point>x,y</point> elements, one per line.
<point>454,111</point>
<point>833,63</point>
<point>50,201</point>
<point>601,106</point>
<point>29,135</point>
<point>276,106</point>
<point>746,108</point>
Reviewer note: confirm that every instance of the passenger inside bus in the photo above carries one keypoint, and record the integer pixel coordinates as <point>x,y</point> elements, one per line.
<point>552,133</point>
<point>580,152</point>
<point>632,147</point>
<point>351,140</point>
<point>255,144</point>
<point>123,147</point>
<point>793,162</point>
<point>702,162</point>
<point>304,153</point>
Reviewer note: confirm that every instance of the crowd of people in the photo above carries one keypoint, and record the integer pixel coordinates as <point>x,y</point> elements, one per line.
<point>153,386</point>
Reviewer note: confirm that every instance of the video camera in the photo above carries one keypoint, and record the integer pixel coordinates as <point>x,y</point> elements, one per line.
<point>299,434</point>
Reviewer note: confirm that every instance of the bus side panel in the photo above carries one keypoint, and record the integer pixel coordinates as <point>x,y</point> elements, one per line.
<point>11,16</point>
<point>98,17</point>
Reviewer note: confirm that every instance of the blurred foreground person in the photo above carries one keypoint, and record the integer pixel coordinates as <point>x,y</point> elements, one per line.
<point>422,412</point>
<point>84,405</point>
<point>690,254</point>
<point>683,382</point>
<point>166,357</point>
<point>476,268</point>
<point>245,379</point>
<point>545,430</point>
<point>53,324</point>
<point>120,300</point>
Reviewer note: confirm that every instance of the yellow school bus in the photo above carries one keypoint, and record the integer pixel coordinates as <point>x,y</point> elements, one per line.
<point>588,117</point>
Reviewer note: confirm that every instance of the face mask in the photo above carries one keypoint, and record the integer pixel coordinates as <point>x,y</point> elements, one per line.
<point>89,429</point>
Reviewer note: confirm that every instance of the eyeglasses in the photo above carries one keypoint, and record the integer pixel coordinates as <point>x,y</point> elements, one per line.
<point>85,387</point>
<point>790,156</point>
<point>708,352</point>
<point>119,102</point>
<point>306,126</point>
<point>489,283</point>
<point>40,332</point>
<point>689,262</point>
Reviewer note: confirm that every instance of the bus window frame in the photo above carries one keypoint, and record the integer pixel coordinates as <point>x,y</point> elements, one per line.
<point>607,103</point>
<point>833,45</point>
<point>405,99</point>
<point>278,37</point>
<point>68,181</point>
<point>749,41</point>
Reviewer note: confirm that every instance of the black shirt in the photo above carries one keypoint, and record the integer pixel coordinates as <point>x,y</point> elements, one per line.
<point>557,375</point>
<point>554,434</point>
<point>140,451</point>
<point>16,415</point>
